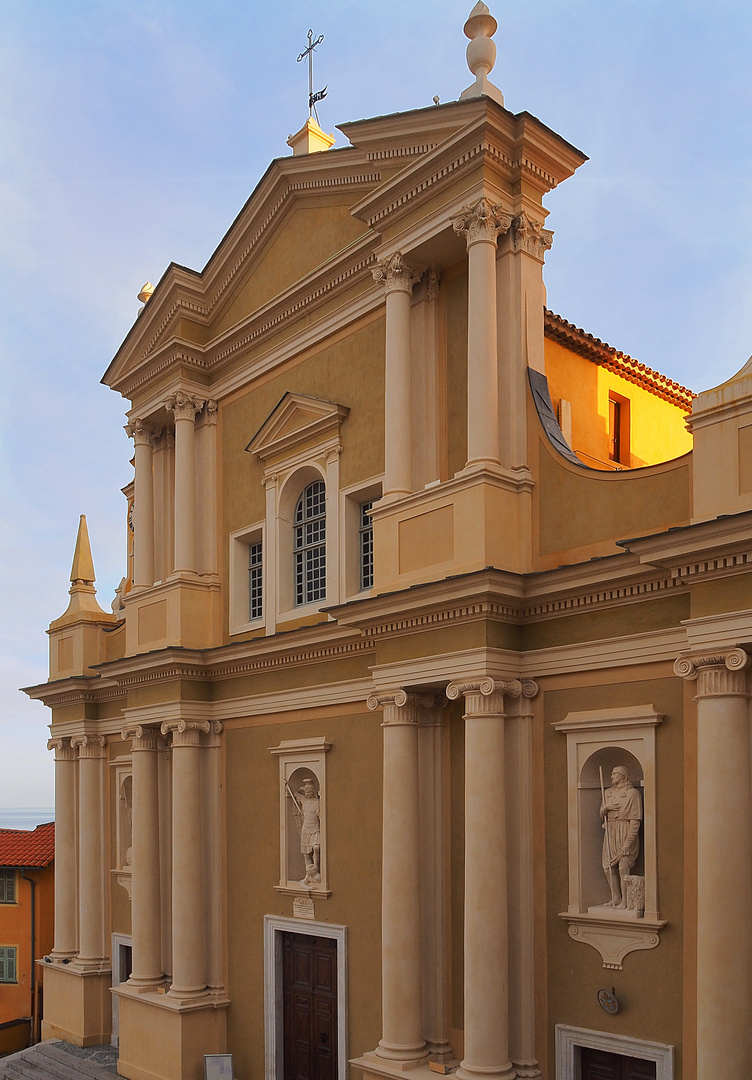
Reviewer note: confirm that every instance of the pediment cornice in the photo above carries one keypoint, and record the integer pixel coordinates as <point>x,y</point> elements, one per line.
<point>296,419</point>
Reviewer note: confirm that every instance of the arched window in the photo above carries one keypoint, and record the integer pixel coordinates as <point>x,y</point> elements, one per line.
<point>309,544</point>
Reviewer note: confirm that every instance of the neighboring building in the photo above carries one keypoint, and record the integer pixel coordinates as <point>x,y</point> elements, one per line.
<point>26,929</point>
<point>329,780</point>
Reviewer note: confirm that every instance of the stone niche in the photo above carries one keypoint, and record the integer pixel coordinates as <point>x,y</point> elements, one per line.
<point>302,804</point>
<point>606,740</point>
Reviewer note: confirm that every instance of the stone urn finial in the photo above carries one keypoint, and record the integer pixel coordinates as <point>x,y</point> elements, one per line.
<point>481,53</point>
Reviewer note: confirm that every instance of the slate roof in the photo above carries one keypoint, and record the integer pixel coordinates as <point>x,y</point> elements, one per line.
<point>20,847</point>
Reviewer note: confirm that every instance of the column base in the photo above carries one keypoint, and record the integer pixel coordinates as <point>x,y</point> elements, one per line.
<point>77,1005</point>
<point>161,1039</point>
<point>474,1072</point>
<point>372,1064</point>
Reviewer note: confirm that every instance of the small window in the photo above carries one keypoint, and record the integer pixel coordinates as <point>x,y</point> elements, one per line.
<point>7,886</point>
<point>7,964</point>
<point>255,581</point>
<point>365,536</point>
<point>309,546</point>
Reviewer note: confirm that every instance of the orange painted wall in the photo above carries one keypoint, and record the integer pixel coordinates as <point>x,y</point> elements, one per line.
<point>658,431</point>
<point>15,930</point>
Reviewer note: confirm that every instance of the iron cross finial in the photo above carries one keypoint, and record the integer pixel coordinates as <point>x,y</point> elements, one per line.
<point>307,54</point>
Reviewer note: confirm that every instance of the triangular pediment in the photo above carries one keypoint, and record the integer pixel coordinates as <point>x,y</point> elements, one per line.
<point>296,419</point>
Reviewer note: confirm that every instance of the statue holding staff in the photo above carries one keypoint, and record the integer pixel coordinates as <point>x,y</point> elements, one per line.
<point>306,809</point>
<point>621,811</point>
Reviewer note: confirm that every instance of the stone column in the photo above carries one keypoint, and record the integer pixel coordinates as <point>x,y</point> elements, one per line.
<point>481,223</point>
<point>188,953</point>
<point>145,895</point>
<point>486,925</point>
<point>724,862</point>
<point>398,279</point>
<point>91,839</point>
<point>65,849</point>
<point>402,1018</point>
<point>143,504</point>
<point>185,409</point>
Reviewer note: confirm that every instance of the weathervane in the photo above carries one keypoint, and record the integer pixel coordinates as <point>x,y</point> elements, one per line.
<point>308,54</point>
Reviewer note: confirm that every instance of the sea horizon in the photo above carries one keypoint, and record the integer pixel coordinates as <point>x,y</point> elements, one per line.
<point>25,817</point>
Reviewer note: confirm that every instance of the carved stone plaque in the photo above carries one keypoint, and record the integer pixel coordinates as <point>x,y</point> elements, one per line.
<point>302,908</point>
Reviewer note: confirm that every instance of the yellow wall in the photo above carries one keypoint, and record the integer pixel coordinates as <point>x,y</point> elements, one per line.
<point>15,930</point>
<point>658,431</point>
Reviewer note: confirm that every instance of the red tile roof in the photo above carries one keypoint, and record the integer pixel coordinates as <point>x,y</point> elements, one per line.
<point>19,847</point>
<point>592,348</point>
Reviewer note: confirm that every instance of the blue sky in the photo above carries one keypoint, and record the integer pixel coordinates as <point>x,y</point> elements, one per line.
<point>132,133</point>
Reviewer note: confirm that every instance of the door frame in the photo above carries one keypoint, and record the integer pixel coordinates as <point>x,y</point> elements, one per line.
<point>570,1039</point>
<point>118,970</point>
<point>274,927</point>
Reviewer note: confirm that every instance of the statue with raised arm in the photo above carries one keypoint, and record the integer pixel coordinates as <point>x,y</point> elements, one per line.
<point>621,811</point>
<point>306,808</point>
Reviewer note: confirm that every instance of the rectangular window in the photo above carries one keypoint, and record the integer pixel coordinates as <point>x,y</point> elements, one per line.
<point>366,545</point>
<point>7,886</point>
<point>7,964</point>
<point>255,581</point>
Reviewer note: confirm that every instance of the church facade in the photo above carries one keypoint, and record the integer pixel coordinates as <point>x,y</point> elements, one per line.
<point>418,735</point>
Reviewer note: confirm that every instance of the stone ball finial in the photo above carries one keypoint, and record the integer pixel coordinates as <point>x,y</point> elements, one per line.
<point>480,28</point>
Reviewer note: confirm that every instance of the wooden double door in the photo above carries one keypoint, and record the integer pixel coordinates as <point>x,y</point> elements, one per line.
<point>309,1000</point>
<point>600,1065</point>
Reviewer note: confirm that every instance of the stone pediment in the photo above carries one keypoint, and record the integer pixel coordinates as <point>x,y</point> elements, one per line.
<point>296,419</point>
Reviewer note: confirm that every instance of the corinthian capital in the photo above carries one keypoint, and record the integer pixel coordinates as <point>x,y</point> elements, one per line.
<point>395,274</point>
<point>482,221</point>
<point>718,674</point>
<point>183,405</point>
<point>143,434</point>
<point>530,236</point>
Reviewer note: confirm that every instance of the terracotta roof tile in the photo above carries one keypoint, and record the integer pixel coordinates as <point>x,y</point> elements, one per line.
<point>19,847</point>
<point>592,348</point>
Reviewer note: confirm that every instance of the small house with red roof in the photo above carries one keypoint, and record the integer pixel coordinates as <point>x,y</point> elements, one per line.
<point>26,929</point>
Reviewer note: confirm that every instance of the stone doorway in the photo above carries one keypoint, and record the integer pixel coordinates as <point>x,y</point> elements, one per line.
<point>309,1001</point>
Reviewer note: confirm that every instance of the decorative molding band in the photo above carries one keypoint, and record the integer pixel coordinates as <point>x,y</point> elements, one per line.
<point>401,151</point>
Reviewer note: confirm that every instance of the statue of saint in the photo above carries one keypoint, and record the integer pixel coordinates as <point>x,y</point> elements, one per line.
<point>621,811</point>
<point>307,818</point>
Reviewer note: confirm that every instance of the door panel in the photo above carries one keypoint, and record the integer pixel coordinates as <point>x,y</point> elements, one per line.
<point>601,1065</point>
<point>309,1000</point>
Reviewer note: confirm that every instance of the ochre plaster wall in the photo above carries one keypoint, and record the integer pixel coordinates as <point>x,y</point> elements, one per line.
<point>583,512</point>
<point>312,230</point>
<point>650,986</point>
<point>657,427</point>
<point>15,930</point>
<point>353,791</point>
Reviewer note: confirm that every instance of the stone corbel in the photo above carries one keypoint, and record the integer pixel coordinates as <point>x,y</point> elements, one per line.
<point>613,938</point>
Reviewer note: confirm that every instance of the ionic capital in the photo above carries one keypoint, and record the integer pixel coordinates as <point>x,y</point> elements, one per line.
<point>269,479</point>
<point>63,749</point>
<point>718,674</point>
<point>484,697</point>
<point>89,746</point>
<point>142,738</point>
<point>143,434</point>
<point>401,708</point>
<point>482,222</point>
<point>530,236</point>
<point>186,732</point>
<point>183,406</point>
<point>395,274</point>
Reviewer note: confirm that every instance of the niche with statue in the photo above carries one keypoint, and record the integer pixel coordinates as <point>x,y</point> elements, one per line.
<point>302,814</point>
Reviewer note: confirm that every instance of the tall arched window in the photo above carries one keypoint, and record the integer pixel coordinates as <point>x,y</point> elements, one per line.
<point>309,545</point>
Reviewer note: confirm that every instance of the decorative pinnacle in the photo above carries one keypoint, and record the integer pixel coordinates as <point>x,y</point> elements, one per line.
<point>82,570</point>
<point>481,53</point>
<point>146,290</point>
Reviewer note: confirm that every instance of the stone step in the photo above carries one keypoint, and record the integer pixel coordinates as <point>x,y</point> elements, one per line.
<point>57,1060</point>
